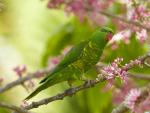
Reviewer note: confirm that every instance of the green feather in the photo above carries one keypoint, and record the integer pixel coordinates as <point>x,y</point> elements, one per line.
<point>78,61</point>
<point>71,56</point>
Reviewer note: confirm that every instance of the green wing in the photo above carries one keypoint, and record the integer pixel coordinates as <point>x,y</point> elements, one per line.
<point>70,57</point>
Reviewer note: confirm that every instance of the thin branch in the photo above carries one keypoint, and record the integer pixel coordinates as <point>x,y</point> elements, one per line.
<point>21,80</point>
<point>124,20</point>
<point>14,108</point>
<point>142,59</point>
<point>122,108</point>
<point>68,92</point>
<point>139,76</point>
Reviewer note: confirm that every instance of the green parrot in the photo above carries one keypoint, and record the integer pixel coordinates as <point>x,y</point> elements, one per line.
<point>77,61</point>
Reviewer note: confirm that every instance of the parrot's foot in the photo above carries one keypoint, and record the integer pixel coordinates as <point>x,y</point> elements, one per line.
<point>89,82</point>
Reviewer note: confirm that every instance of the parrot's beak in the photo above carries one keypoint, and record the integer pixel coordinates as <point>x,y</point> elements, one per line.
<point>109,36</point>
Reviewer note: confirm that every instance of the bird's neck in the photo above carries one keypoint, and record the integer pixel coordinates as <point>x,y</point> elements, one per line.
<point>100,42</point>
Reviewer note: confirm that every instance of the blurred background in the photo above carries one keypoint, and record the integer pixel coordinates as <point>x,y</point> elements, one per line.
<point>31,34</point>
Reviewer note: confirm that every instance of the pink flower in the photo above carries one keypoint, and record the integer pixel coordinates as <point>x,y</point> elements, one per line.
<point>122,35</point>
<point>132,63</point>
<point>131,98</point>
<point>143,106</point>
<point>53,61</point>
<point>24,104</point>
<point>113,69</point>
<point>139,13</point>
<point>39,74</point>
<point>55,3</point>
<point>122,91</point>
<point>114,46</point>
<point>83,8</point>
<point>142,35</point>
<point>137,106</point>
<point>20,70</point>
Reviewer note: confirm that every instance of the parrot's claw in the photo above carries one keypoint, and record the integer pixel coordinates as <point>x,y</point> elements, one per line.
<point>147,64</point>
<point>146,61</point>
<point>88,82</point>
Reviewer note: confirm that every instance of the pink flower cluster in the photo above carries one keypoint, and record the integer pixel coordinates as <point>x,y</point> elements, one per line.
<point>130,95</point>
<point>131,64</point>
<point>140,13</point>
<point>122,91</point>
<point>142,35</point>
<point>20,70</point>
<point>137,11</point>
<point>132,102</point>
<point>53,61</point>
<point>131,98</point>
<point>143,106</point>
<point>83,8</point>
<point>114,69</point>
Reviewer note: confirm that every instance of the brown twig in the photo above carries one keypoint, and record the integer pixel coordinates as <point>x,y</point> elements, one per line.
<point>139,76</point>
<point>124,20</point>
<point>14,108</point>
<point>68,92</point>
<point>21,80</point>
<point>121,109</point>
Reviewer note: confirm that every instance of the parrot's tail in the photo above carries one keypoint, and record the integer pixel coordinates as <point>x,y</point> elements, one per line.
<point>40,88</point>
<point>52,81</point>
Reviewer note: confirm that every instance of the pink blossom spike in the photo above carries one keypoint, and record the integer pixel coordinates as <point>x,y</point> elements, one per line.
<point>142,35</point>
<point>20,70</point>
<point>122,91</point>
<point>131,98</point>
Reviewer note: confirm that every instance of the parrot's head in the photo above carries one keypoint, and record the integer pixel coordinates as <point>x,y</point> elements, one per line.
<point>109,33</point>
<point>102,36</point>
